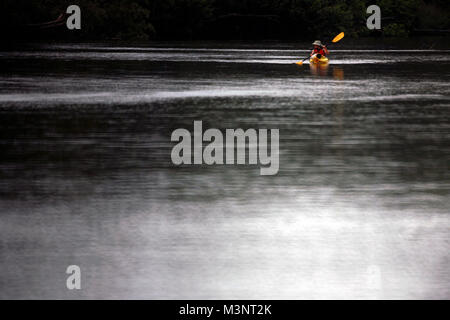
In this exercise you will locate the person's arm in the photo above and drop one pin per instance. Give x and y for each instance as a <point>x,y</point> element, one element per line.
<point>326,50</point>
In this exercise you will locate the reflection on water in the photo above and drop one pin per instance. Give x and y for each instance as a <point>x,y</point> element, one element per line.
<point>318,69</point>
<point>359,208</point>
<point>322,70</point>
<point>338,73</point>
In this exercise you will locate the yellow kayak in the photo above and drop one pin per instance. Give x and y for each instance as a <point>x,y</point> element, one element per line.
<point>321,60</point>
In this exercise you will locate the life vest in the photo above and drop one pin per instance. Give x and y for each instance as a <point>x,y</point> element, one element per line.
<point>320,50</point>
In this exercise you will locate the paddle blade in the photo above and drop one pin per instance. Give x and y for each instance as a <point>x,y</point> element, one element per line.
<point>338,37</point>
<point>299,63</point>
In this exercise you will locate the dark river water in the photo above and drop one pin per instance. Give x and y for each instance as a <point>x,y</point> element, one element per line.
<point>358,209</point>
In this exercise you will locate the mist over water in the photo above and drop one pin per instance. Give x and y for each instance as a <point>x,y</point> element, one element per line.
<point>359,208</point>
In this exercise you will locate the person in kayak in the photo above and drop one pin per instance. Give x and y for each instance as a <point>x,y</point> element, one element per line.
<point>319,49</point>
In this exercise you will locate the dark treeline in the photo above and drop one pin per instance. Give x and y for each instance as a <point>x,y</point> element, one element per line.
<point>221,19</point>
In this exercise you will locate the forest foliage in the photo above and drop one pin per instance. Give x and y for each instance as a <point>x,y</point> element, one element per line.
<point>223,19</point>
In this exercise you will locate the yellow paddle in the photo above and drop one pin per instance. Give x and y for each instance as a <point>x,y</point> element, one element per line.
<point>336,39</point>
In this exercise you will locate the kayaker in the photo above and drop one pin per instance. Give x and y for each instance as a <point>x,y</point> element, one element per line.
<point>319,48</point>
